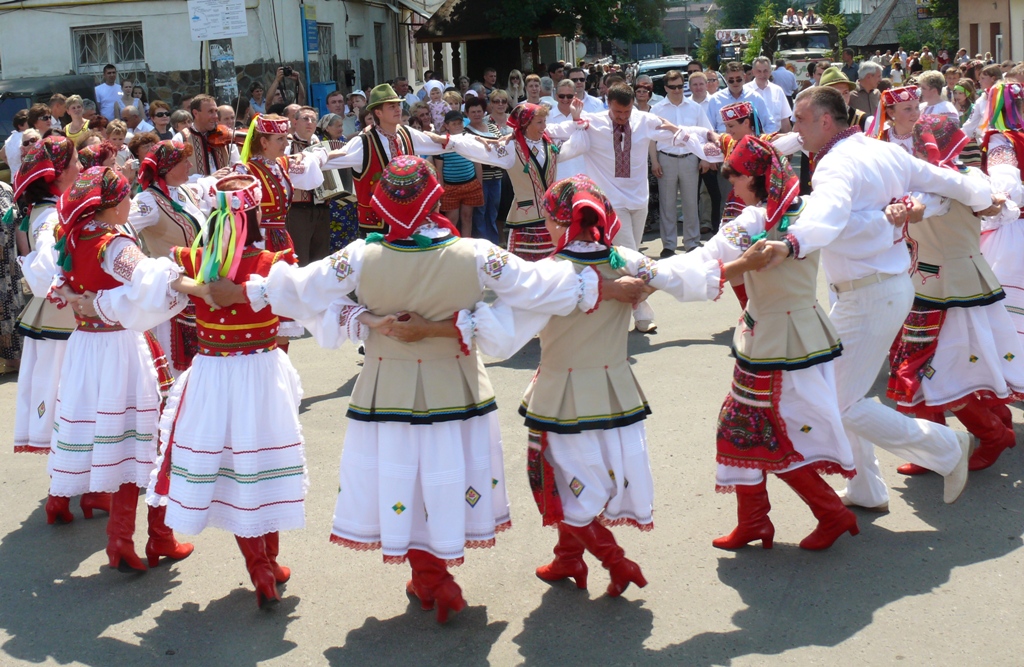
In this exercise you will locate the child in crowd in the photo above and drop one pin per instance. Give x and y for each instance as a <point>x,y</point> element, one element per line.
<point>435,102</point>
<point>461,179</point>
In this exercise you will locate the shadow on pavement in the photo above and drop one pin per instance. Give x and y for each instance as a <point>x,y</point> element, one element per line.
<point>796,598</point>
<point>343,391</point>
<point>414,638</point>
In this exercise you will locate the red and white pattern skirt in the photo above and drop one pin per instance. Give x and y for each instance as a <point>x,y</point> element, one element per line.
<point>530,242</point>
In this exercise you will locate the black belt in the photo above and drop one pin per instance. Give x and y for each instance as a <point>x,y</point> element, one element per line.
<point>673,155</point>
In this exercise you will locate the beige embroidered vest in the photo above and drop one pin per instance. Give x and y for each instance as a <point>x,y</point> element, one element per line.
<point>525,201</point>
<point>431,380</point>
<point>42,319</point>
<point>784,327</point>
<point>951,270</point>
<point>173,229</point>
<point>584,381</point>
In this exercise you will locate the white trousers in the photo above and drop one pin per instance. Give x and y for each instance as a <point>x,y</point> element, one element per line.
<point>680,178</point>
<point>868,320</point>
<point>630,236</point>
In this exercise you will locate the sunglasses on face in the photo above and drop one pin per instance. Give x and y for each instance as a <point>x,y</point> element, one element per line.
<point>739,80</point>
<point>675,87</point>
<point>566,97</point>
<point>574,80</point>
<point>46,117</point>
<point>162,114</point>
<point>514,78</point>
<point>499,101</point>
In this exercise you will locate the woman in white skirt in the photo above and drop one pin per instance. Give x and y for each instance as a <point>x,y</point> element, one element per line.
<point>49,167</point>
<point>105,435</point>
<point>588,461</point>
<point>958,349</point>
<point>782,413</point>
<point>421,473</point>
<point>1002,236</point>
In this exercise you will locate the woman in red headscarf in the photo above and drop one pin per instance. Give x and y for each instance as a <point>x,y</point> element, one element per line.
<point>236,408</point>
<point>531,160</point>
<point>108,407</point>
<point>168,213</point>
<point>958,349</point>
<point>782,414</point>
<point>49,167</point>
<point>588,461</point>
<point>422,429</point>
<point>98,155</point>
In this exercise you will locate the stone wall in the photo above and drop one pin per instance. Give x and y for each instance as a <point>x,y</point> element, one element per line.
<point>172,87</point>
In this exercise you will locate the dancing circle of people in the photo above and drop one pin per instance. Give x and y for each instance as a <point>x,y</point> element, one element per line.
<point>156,339</point>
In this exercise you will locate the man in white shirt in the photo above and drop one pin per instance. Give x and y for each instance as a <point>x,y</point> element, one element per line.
<point>790,18</point>
<point>58,107</point>
<point>12,147</point>
<point>698,83</point>
<point>591,104</point>
<point>109,93</point>
<point>133,119</point>
<point>868,269</point>
<point>784,79</point>
<point>735,92</point>
<point>402,90</point>
<point>773,95</point>
<point>565,93</point>
<point>677,169</point>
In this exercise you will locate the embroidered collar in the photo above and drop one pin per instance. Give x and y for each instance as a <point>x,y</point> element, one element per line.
<point>845,134</point>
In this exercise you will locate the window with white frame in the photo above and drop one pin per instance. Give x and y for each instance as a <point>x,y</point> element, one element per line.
<point>120,45</point>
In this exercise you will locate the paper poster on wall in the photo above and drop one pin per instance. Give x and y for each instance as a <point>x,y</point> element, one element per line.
<point>222,63</point>
<point>217,19</point>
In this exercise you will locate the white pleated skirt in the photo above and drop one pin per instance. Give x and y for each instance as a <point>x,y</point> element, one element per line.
<point>978,351</point>
<point>809,408</point>
<point>108,407</point>
<point>36,404</point>
<point>237,457</point>
<point>439,488</point>
<point>604,475</point>
<point>1003,248</point>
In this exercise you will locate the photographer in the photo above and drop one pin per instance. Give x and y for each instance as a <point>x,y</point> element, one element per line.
<point>286,72</point>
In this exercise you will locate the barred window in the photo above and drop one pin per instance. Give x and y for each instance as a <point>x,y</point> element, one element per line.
<point>120,45</point>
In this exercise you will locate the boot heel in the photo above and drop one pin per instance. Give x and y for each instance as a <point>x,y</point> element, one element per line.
<point>581,581</point>
<point>855,530</point>
<point>87,512</point>
<point>152,559</point>
<point>766,542</point>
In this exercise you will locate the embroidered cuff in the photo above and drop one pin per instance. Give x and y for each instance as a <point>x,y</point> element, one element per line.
<point>794,245</point>
<point>582,124</point>
<point>588,293</point>
<point>256,292</point>
<point>465,325</point>
<point>350,325</point>
<point>291,329</point>
<point>103,310</point>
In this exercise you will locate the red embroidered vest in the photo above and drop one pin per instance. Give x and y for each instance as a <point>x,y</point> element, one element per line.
<point>375,158</point>
<point>87,274</point>
<point>237,329</point>
<point>277,191</point>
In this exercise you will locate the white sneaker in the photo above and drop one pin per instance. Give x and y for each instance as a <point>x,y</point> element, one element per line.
<point>954,483</point>
<point>646,326</point>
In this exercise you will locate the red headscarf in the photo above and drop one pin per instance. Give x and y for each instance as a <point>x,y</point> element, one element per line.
<point>938,140</point>
<point>565,202</point>
<point>163,157</point>
<point>96,189</point>
<point>96,155</point>
<point>47,160</point>
<point>406,195</point>
<point>754,157</point>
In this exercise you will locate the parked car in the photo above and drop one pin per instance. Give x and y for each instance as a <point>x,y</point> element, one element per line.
<point>18,94</point>
<point>656,68</point>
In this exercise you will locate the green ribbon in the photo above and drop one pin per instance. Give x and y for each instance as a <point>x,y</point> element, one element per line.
<point>375,237</point>
<point>420,240</point>
<point>783,227</point>
<point>615,259</point>
<point>63,256</point>
<point>8,216</point>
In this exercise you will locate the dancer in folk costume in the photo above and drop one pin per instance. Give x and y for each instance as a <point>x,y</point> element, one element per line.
<point>531,161</point>
<point>588,460</point>
<point>1002,236</point>
<point>166,213</point>
<point>782,413</point>
<point>421,473</point>
<point>898,111</point>
<point>958,349</point>
<point>264,157</point>
<point>48,168</point>
<point>232,454</point>
<point>105,431</point>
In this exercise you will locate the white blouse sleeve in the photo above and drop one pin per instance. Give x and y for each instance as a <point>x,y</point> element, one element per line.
<point>145,298</point>
<point>575,145</point>
<point>502,155</point>
<point>498,330</point>
<point>40,266</point>
<point>545,286</point>
<point>353,156</point>
<point>304,169</point>
<point>687,277</point>
<point>306,293</point>
<point>338,324</point>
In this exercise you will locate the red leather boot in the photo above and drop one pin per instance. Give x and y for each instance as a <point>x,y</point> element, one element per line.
<point>568,560</point>
<point>599,541</point>
<point>161,540</point>
<point>260,571</point>
<point>281,573</point>
<point>94,501</point>
<point>833,517</point>
<point>1002,410</point>
<point>752,508</point>
<point>121,529</point>
<point>992,434</point>
<point>912,469</point>
<point>58,508</point>
<point>433,585</point>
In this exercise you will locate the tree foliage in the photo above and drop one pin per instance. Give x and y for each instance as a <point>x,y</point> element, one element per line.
<point>827,8</point>
<point>627,20</point>
<point>763,21</point>
<point>707,52</point>
<point>736,13</point>
<point>946,20</point>
<point>914,33</point>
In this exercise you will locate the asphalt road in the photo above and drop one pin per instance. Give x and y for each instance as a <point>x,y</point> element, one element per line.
<point>925,584</point>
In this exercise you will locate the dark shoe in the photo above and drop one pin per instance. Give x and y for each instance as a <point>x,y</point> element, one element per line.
<point>666,253</point>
